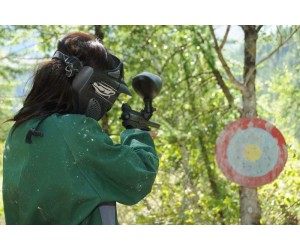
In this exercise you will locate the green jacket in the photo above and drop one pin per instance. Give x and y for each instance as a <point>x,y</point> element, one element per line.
<point>62,177</point>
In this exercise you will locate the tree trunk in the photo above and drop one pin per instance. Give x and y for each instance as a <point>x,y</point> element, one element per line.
<point>216,193</point>
<point>250,211</point>
<point>98,32</point>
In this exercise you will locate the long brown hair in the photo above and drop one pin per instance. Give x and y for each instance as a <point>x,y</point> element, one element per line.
<point>51,90</point>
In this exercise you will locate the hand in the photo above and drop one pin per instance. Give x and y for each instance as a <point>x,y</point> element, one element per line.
<point>153,134</point>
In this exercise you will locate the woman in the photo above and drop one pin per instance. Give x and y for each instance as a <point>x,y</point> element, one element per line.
<point>59,166</point>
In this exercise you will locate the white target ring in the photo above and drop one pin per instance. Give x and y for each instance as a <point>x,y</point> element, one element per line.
<point>251,152</point>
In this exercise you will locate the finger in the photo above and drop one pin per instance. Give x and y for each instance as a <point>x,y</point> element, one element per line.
<point>152,133</point>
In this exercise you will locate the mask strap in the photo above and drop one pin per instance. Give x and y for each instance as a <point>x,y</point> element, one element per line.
<point>74,65</point>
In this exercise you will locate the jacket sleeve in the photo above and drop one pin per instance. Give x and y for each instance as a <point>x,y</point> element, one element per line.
<point>122,172</point>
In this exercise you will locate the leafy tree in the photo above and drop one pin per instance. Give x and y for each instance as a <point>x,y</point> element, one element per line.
<point>249,196</point>
<point>189,182</point>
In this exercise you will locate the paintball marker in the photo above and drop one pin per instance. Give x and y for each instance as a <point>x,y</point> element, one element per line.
<point>147,86</point>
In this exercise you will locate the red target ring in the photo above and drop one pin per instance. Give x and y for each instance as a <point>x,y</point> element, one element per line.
<point>251,152</point>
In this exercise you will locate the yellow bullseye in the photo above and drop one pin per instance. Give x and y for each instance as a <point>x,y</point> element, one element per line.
<point>252,152</point>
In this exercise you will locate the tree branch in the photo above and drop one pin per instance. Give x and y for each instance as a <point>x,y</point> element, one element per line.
<point>177,50</point>
<point>224,64</point>
<point>195,76</point>
<point>258,28</point>
<point>279,33</point>
<point>10,54</point>
<point>279,46</point>
<point>282,43</point>
<point>224,87</point>
<point>225,37</point>
<point>11,97</point>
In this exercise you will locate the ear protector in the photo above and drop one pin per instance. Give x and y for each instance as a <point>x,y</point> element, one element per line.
<point>94,91</point>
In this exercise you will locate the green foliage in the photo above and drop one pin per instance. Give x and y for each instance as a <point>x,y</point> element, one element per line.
<point>185,189</point>
<point>280,98</point>
<point>2,221</point>
<point>10,39</point>
<point>192,111</point>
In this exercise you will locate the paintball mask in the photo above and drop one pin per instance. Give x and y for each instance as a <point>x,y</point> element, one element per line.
<point>94,91</point>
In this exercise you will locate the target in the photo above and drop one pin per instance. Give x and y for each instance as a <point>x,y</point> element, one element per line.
<point>251,152</point>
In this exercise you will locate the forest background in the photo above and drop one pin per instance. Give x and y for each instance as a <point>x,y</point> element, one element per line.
<point>198,99</point>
